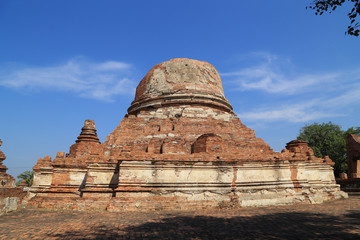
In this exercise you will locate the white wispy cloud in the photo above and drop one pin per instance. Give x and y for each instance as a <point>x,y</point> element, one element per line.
<point>102,80</point>
<point>296,113</point>
<point>351,96</point>
<point>271,74</point>
<point>308,96</point>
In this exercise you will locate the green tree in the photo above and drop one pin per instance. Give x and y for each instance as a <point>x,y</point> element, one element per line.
<point>28,176</point>
<point>328,139</point>
<point>321,6</point>
<point>353,130</point>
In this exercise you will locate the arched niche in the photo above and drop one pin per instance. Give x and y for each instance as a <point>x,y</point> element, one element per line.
<point>209,143</point>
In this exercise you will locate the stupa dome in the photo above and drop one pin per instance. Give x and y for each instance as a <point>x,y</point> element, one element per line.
<point>180,81</point>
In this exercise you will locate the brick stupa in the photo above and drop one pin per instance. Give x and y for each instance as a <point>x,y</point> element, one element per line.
<point>6,180</point>
<point>353,155</point>
<point>180,146</point>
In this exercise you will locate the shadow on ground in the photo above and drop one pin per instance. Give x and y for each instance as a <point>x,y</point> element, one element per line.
<point>293,225</point>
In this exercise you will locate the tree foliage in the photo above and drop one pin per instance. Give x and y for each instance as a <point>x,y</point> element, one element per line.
<point>321,6</point>
<point>353,130</point>
<point>28,176</point>
<point>328,139</point>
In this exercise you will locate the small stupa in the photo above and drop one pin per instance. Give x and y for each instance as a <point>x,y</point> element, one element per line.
<point>6,180</point>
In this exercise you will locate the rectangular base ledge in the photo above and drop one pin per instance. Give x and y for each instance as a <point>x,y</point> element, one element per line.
<point>180,201</point>
<point>147,185</point>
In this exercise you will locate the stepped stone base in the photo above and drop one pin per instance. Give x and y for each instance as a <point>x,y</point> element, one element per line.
<point>146,185</point>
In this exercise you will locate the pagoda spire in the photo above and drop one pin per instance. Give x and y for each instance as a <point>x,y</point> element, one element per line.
<point>88,132</point>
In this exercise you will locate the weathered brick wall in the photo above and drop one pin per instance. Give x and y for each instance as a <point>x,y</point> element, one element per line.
<point>353,155</point>
<point>11,199</point>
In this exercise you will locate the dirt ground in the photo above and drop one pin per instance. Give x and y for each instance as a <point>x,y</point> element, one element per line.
<point>331,220</point>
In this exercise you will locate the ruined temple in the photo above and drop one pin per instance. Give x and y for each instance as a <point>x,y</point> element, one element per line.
<point>11,197</point>
<point>353,155</point>
<point>6,180</point>
<point>180,146</point>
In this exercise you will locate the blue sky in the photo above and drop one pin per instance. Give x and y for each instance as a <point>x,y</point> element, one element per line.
<point>62,62</point>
